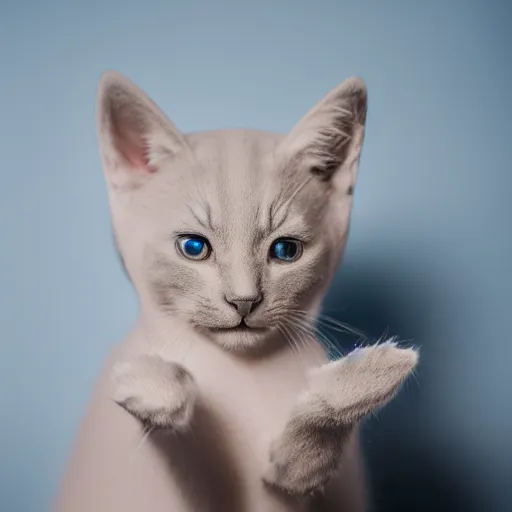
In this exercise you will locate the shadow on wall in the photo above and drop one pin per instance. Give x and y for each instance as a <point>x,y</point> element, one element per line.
<point>404,469</point>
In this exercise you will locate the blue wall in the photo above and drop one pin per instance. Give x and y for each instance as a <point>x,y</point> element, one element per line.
<point>429,256</point>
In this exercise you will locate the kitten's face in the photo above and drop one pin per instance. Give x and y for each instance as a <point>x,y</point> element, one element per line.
<point>238,232</point>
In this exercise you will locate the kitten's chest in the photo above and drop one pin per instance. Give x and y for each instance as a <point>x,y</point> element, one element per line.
<point>252,401</point>
<point>242,409</point>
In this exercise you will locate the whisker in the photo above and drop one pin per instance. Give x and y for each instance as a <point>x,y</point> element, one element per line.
<point>291,339</point>
<point>336,322</point>
<point>310,335</point>
<point>304,332</point>
<point>313,332</point>
<point>294,329</point>
<point>337,325</point>
<point>330,323</point>
<point>291,344</point>
<point>328,344</point>
<point>279,327</point>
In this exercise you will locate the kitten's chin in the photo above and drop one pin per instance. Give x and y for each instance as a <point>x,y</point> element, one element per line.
<point>244,341</point>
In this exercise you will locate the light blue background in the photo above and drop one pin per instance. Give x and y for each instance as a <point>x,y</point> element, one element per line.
<point>430,251</point>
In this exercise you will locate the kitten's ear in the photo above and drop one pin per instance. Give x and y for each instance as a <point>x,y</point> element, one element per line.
<point>135,136</point>
<point>329,137</point>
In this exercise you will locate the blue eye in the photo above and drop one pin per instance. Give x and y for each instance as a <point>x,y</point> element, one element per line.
<point>194,247</point>
<point>286,250</point>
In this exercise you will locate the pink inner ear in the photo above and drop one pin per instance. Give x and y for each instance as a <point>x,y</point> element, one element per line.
<point>129,141</point>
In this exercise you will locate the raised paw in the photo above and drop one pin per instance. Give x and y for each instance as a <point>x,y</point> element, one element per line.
<point>340,394</point>
<point>159,393</point>
<point>363,381</point>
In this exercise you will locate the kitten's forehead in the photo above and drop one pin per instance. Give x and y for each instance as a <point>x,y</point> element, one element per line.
<point>238,173</point>
<point>239,156</point>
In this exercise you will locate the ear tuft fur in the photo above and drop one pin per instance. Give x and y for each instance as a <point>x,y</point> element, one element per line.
<point>330,135</point>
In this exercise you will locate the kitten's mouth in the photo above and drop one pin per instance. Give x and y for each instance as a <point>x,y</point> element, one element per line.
<point>241,338</point>
<point>241,327</point>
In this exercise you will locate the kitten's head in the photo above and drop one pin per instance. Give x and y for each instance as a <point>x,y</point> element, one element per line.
<point>237,232</point>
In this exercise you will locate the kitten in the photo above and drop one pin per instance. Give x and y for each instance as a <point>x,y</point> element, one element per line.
<point>231,239</point>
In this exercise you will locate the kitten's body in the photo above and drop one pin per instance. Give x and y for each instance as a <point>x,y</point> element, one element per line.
<point>219,466</point>
<point>258,415</point>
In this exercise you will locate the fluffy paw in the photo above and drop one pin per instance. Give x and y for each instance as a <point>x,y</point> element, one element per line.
<point>157,392</point>
<point>308,452</point>
<point>363,381</point>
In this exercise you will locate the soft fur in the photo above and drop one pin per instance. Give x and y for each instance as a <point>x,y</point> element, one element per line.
<point>340,395</point>
<point>159,393</point>
<point>289,417</point>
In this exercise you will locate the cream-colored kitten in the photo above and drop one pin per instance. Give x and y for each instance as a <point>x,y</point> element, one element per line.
<point>231,239</point>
